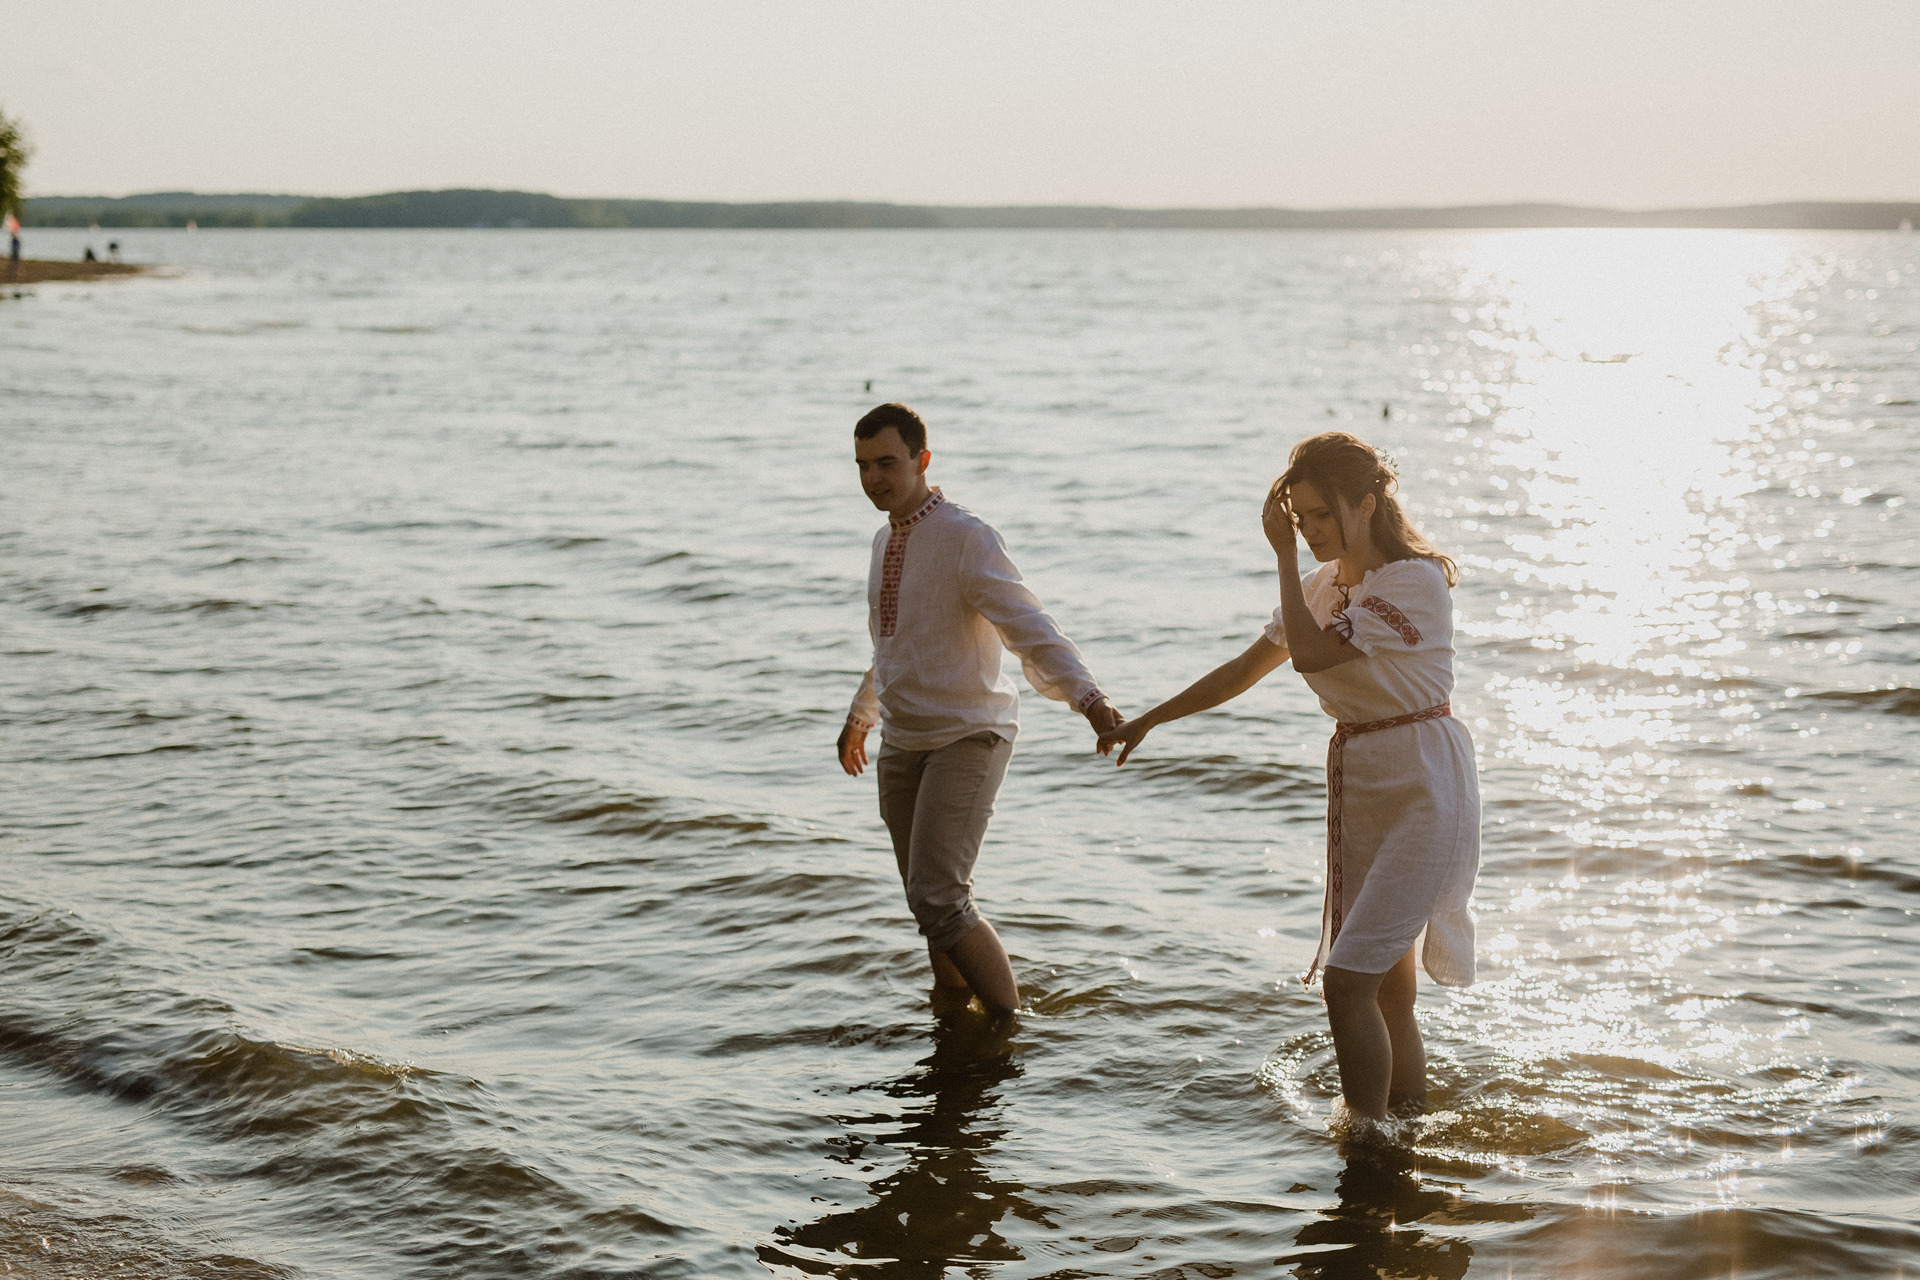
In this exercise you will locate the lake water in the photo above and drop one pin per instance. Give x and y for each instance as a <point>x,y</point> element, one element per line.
<point>424,855</point>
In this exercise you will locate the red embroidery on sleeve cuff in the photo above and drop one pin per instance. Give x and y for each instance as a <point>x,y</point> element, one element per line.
<point>1087,699</point>
<point>1393,618</point>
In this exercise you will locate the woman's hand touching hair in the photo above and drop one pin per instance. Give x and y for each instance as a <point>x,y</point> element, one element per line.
<point>1276,519</point>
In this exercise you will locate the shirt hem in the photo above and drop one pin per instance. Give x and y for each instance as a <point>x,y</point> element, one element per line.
<point>937,739</point>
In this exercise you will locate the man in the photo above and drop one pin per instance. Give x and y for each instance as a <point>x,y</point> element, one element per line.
<point>942,601</point>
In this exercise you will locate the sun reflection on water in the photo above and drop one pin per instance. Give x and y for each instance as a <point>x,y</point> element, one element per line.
<point>1628,427</point>
<point>1617,406</point>
<point>1626,394</point>
<point>1632,393</point>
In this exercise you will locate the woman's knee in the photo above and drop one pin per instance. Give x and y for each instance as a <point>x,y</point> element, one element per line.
<point>1344,986</point>
<point>1395,999</point>
<point>1398,987</point>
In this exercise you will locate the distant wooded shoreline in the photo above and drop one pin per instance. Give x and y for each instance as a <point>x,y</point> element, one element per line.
<point>515,209</point>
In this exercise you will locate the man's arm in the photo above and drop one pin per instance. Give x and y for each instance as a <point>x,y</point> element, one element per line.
<point>852,744</point>
<point>994,588</point>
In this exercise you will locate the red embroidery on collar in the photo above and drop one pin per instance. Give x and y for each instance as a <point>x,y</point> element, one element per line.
<point>926,509</point>
<point>896,559</point>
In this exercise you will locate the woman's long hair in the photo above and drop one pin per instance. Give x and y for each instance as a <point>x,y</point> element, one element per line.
<point>1345,468</point>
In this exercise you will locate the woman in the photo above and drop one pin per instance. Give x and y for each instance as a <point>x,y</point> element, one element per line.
<point>1371,630</point>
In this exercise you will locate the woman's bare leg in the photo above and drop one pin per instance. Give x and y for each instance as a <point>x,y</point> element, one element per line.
<point>1361,1041</point>
<point>1407,1087</point>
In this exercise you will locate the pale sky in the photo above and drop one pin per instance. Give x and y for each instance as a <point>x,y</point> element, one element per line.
<point>1307,103</point>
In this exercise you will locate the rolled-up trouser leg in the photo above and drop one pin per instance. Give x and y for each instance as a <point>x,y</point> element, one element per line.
<point>936,805</point>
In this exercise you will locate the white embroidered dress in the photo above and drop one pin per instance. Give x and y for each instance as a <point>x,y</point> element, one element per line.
<point>1403,805</point>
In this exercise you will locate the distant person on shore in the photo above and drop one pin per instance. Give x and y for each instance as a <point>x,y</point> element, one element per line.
<point>1371,630</point>
<point>943,599</point>
<point>89,256</point>
<point>113,250</point>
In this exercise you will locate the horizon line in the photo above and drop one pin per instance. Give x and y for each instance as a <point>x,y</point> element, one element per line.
<point>1007,205</point>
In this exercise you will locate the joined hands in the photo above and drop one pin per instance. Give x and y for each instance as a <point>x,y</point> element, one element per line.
<point>1103,716</point>
<point>1126,735</point>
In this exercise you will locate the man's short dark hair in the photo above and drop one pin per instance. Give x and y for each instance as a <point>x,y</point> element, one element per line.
<point>913,432</point>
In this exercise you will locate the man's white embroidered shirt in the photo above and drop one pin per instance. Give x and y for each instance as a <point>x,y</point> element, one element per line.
<point>943,602</point>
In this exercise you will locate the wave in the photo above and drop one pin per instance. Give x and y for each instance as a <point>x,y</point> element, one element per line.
<point>1631,1237</point>
<point>541,446</point>
<point>596,808</point>
<point>163,749</point>
<point>407,1153</point>
<point>838,1036</point>
<point>555,542</point>
<point>391,526</point>
<point>1830,869</point>
<point>49,598</point>
<point>1234,776</point>
<point>145,1043</point>
<point>68,1239</point>
<point>208,606</point>
<point>1902,700</point>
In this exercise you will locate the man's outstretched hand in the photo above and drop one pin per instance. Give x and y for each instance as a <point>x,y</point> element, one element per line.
<point>1103,715</point>
<point>852,748</point>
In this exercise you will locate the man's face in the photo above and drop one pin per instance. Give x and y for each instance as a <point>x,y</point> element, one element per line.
<point>888,472</point>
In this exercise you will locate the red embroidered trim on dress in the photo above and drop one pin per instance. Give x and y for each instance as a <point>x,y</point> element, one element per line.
<point>1393,618</point>
<point>1333,909</point>
<point>895,559</point>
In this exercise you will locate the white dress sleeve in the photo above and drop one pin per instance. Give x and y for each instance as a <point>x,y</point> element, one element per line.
<point>1400,607</point>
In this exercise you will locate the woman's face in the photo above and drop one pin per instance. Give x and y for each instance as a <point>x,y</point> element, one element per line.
<point>1322,523</point>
